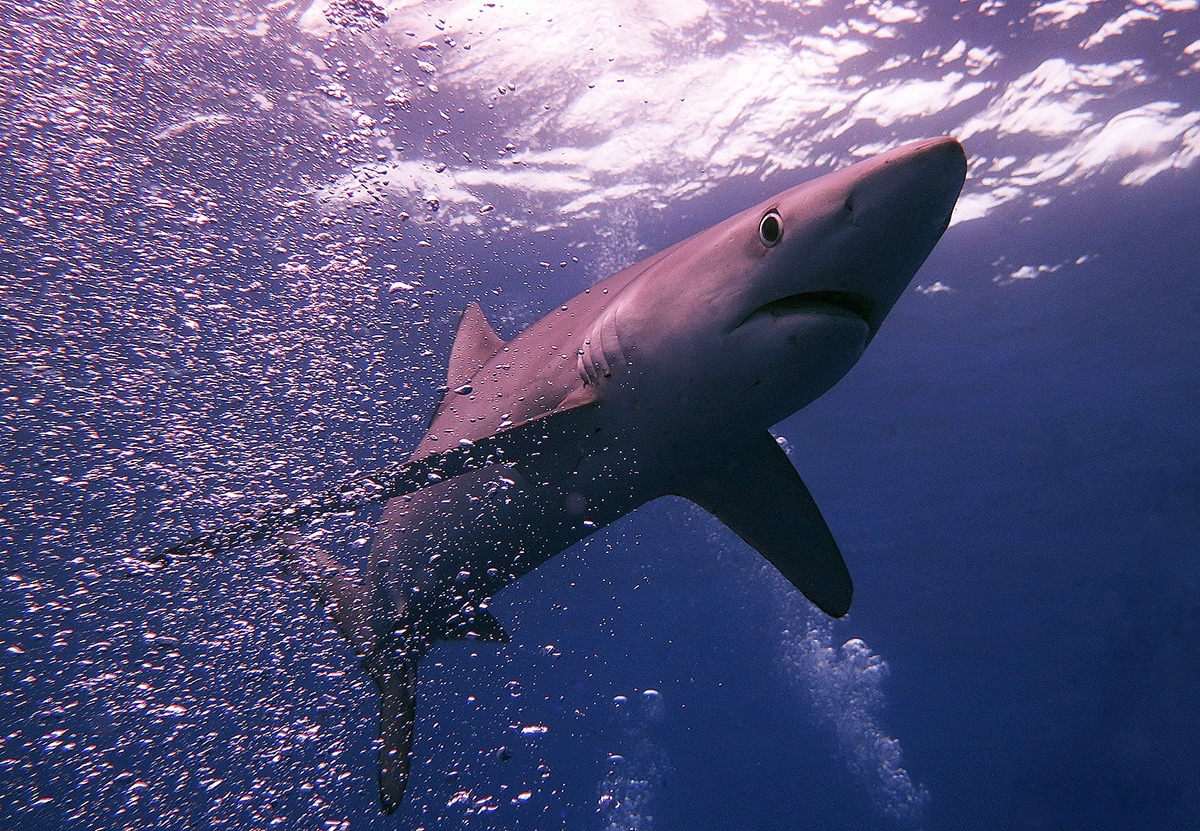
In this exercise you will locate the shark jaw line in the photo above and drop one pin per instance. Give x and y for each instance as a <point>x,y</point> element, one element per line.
<point>820,302</point>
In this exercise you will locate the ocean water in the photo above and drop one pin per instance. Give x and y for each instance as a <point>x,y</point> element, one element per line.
<point>235,240</point>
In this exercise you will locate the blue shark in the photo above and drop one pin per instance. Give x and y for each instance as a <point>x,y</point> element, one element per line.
<point>662,379</point>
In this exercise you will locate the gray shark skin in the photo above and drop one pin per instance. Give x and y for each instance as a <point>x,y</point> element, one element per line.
<point>662,379</point>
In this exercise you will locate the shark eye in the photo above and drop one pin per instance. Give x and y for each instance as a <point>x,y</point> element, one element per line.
<point>770,228</point>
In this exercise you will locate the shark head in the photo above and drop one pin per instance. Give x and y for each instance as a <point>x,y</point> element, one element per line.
<point>759,315</point>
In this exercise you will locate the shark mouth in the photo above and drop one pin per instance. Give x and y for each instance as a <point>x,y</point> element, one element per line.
<point>828,302</point>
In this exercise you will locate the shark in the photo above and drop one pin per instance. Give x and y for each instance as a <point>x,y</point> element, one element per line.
<point>663,379</point>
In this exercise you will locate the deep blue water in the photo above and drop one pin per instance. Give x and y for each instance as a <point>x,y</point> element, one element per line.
<point>199,320</point>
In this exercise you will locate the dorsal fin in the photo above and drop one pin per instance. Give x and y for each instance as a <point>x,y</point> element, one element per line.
<point>475,344</point>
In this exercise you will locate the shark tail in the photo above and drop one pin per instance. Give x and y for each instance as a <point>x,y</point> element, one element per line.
<point>396,676</point>
<point>389,659</point>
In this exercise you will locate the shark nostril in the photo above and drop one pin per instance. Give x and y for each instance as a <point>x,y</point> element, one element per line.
<point>850,203</point>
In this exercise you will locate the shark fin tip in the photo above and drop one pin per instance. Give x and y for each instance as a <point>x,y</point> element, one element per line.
<point>835,607</point>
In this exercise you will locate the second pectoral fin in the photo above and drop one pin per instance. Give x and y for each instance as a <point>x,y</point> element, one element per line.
<point>759,495</point>
<point>475,625</point>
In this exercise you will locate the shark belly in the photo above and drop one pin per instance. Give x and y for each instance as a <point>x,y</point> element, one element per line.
<point>441,553</point>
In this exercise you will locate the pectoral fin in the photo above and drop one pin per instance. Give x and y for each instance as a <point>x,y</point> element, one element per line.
<point>759,495</point>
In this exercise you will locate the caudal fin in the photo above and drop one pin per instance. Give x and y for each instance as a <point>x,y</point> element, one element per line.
<point>396,676</point>
<point>391,663</point>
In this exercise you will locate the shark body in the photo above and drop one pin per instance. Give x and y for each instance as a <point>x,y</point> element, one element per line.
<point>662,379</point>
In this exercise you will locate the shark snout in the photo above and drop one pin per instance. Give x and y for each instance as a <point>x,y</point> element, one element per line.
<point>851,241</point>
<point>897,205</point>
<point>914,185</point>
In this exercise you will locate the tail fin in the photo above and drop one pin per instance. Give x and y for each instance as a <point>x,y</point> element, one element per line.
<point>395,673</point>
<point>389,658</point>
